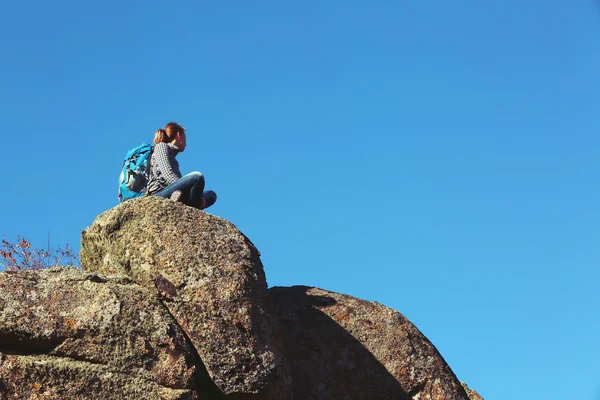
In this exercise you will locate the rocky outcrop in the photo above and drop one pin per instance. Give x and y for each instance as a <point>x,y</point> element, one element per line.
<point>209,276</point>
<point>172,303</point>
<point>341,347</point>
<point>65,333</point>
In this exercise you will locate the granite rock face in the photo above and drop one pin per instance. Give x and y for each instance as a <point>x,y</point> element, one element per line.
<point>211,279</point>
<point>341,347</point>
<point>50,378</point>
<point>61,330</point>
<point>172,303</point>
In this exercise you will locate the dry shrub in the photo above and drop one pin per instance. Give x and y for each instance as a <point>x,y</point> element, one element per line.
<point>19,256</point>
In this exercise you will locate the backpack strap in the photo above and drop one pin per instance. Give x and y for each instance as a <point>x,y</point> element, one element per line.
<point>145,191</point>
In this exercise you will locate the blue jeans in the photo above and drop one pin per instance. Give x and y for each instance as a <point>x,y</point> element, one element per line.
<point>192,189</point>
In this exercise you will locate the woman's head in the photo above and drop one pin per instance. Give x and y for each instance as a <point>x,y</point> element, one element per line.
<point>172,133</point>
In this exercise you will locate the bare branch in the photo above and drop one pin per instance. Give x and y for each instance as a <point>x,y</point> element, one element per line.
<point>20,256</point>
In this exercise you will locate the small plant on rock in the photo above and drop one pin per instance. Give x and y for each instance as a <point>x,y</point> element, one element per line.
<point>20,256</point>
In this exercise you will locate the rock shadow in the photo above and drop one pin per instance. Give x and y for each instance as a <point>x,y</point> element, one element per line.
<point>326,361</point>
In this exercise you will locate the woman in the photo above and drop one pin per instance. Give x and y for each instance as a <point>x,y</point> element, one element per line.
<point>166,180</point>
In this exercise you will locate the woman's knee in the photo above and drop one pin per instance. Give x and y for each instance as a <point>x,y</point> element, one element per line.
<point>195,177</point>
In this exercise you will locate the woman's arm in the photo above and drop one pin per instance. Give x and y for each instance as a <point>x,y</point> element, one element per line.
<point>164,163</point>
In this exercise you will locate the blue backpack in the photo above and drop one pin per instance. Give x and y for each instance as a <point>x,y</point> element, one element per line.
<point>135,172</point>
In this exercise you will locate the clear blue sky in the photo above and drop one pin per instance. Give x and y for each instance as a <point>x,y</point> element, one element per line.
<point>438,157</point>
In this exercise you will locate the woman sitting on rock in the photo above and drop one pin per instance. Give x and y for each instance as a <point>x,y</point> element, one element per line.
<point>165,179</point>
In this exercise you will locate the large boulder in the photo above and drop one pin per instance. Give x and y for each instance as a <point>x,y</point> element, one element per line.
<point>173,304</point>
<point>211,279</point>
<point>340,348</point>
<point>66,334</point>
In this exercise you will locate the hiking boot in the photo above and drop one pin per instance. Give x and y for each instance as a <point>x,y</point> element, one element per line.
<point>176,195</point>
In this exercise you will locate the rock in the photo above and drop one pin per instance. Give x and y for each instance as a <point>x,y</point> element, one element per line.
<point>473,395</point>
<point>66,334</point>
<point>51,378</point>
<point>173,304</point>
<point>341,347</point>
<point>209,276</point>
